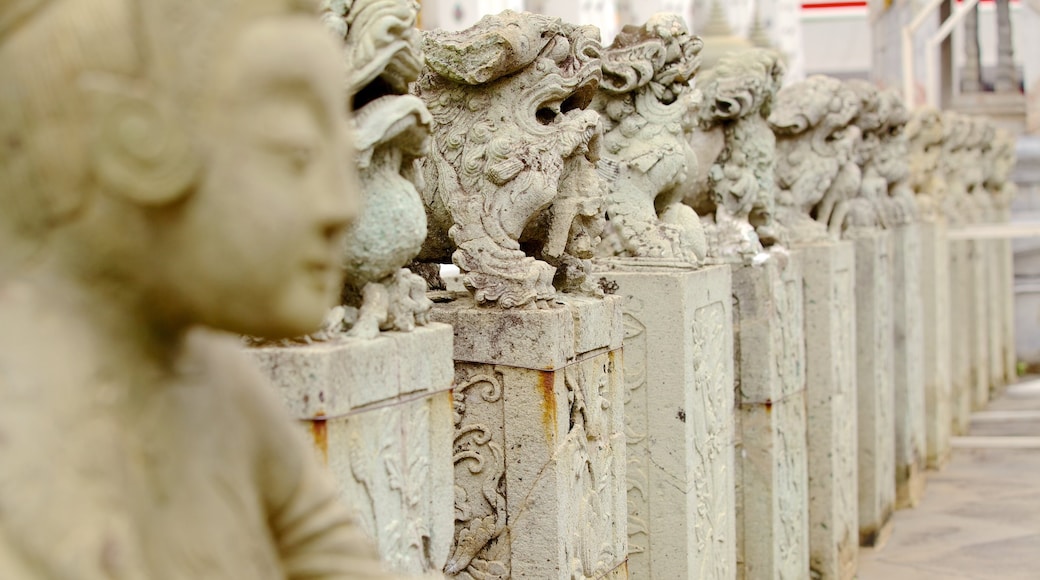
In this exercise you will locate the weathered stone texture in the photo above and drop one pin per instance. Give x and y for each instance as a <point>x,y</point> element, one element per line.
<point>772,478</point>
<point>936,326</point>
<point>539,440</point>
<point>678,418</point>
<point>908,364</point>
<point>874,372</point>
<point>830,360</point>
<point>378,413</point>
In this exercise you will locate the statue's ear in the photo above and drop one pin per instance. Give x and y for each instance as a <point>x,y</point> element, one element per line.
<point>139,149</point>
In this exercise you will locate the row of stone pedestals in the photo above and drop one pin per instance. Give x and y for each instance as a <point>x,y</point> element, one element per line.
<point>755,420</point>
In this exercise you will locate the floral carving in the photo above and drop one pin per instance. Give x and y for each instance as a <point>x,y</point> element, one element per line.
<point>481,549</point>
<point>645,98</point>
<point>736,149</point>
<point>513,195</point>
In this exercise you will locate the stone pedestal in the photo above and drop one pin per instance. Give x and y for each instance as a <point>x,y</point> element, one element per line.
<point>1007,259</point>
<point>874,372</point>
<point>772,478</point>
<point>678,417</point>
<point>978,256</point>
<point>830,362</point>
<point>935,292</point>
<point>995,315</point>
<point>379,413</point>
<point>539,439</point>
<point>908,365</point>
<point>961,292</point>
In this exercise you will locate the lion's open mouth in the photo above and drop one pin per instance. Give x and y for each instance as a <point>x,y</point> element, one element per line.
<point>577,100</point>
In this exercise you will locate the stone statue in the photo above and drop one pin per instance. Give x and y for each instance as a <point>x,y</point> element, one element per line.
<point>512,192</point>
<point>924,132</point>
<point>956,134</point>
<point>999,164</point>
<point>737,149</point>
<point>391,127</point>
<point>977,206</point>
<point>891,161</point>
<point>170,171</point>
<point>816,170</point>
<point>867,207</point>
<point>645,100</point>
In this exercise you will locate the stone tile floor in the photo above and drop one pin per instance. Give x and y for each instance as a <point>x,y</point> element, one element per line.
<point>980,516</point>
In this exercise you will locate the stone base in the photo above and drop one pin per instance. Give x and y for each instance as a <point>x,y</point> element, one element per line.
<point>874,372</point>
<point>908,359</point>
<point>935,324</point>
<point>830,361</point>
<point>380,417</point>
<point>995,315</point>
<point>979,323</point>
<point>961,292</point>
<point>539,439</point>
<point>771,446</point>
<point>678,417</point>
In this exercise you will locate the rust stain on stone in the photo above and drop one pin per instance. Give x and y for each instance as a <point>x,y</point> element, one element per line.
<point>547,383</point>
<point>320,435</point>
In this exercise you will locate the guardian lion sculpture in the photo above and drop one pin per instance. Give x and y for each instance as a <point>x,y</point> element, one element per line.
<point>512,193</point>
<point>645,100</point>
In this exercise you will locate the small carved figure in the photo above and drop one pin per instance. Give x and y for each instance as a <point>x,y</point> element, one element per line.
<point>867,206</point>
<point>955,150</point>
<point>736,150</point>
<point>816,172</point>
<point>171,171</point>
<point>891,161</point>
<point>924,132</point>
<point>382,56</point>
<point>645,100</point>
<point>512,192</point>
<point>998,181</point>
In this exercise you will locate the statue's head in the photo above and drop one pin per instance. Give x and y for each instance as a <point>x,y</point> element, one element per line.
<point>191,155</point>
<point>740,85</point>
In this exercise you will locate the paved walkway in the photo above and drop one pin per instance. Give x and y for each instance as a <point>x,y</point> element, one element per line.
<point>980,517</point>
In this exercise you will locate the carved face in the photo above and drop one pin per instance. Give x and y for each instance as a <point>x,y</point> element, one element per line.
<point>256,249</point>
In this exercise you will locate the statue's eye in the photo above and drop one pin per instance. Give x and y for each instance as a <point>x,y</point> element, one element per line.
<point>546,115</point>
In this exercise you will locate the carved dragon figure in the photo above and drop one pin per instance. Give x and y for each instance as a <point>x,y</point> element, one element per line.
<point>645,98</point>
<point>867,206</point>
<point>737,150</point>
<point>512,193</point>
<point>381,58</point>
<point>924,133</point>
<point>816,172</point>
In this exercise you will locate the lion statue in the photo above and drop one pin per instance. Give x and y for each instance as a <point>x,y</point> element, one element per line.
<point>513,196</point>
<point>924,133</point>
<point>736,150</point>
<point>816,172</point>
<point>645,98</point>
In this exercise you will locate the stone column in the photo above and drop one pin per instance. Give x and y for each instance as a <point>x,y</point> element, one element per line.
<point>978,256</point>
<point>1007,76</point>
<point>874,372</point>
<point>936,326</point>
<point>971,72</point>
<point>961,292</point>
<point>771,445</point>
<point>539,439</point>
<point>908,364</point>
<point>379,413</point>
<point>678,417</point>
<point>829,272</point>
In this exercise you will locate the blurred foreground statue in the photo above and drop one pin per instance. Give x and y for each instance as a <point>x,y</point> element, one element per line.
<point>169,170</point>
